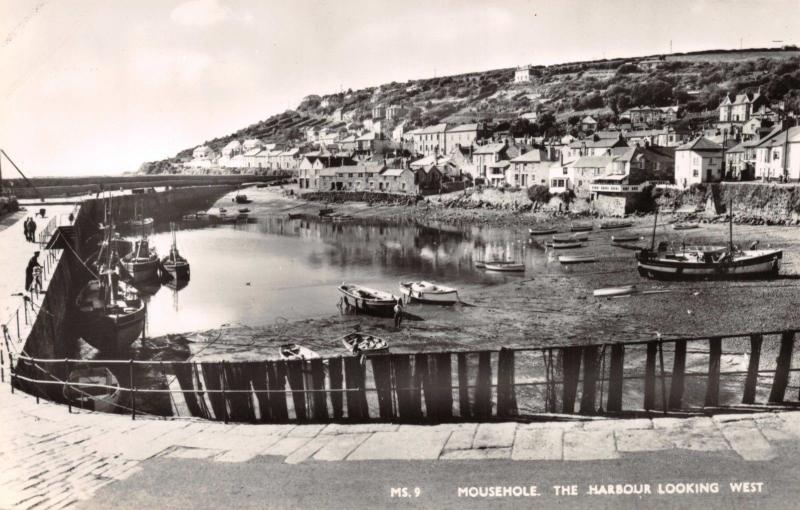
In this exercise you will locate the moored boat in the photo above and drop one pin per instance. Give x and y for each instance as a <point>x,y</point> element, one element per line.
<point>576,259</point>
<point>142,262</point>
<point>295,351</point>
<point>624,238</point>
<point>610,225</point>
<point>481,264</point>
<point>111,314</point>
<point>360,343</point>
<point>581,227</point>
<point>93,388</point>
<point>506,266</point>
<point>325,211</point>
<point>685,226</point>
<point>622,290</point>
<point>564,245</point>
<point>571,238</point>
<point>427,292</point>
<point>541,231</point>
<point>174,265</point>
<point>241,199</point>
<point>368,299</point>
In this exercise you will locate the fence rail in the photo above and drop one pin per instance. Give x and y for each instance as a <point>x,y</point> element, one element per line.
<point>656,376</point>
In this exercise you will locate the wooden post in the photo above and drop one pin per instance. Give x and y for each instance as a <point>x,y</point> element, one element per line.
<point>650,376</point>
<point>69,400</point>
<point>749,395</point>
<point>678,370</point>
<point>783,365</point>
<point>615,372</point>
<point>712,386</point>
<point>588,395</point>
<point>571,367</point>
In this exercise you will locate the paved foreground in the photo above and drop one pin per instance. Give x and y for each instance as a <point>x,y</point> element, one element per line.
<point>50,458</point>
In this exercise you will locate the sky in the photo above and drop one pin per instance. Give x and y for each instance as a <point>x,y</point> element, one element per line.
<point>92,87</point>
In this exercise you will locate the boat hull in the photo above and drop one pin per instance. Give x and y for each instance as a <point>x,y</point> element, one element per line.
<point>581,228</point>
<point>765,265</point>
<point>374,304</point>
<point>142,270</point>
<point>614,226</point>
<point>506,268</point>
<point>541,232</point>
<point>111,333</point>
<point>566,260</point>
<point>437,297</point>
<point>178,271</point>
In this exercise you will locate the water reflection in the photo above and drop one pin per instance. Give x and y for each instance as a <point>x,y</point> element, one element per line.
<point>255,273</point>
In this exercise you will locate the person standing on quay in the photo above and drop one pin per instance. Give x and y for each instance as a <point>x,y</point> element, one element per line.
<point>32,263</point>
<point>26,227</point>
<point>33,230</point>
<point>398,314</point>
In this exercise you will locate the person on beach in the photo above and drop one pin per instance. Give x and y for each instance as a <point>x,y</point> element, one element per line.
<point>398,314</point>
<point>32,263</point>
<point>33,231</point>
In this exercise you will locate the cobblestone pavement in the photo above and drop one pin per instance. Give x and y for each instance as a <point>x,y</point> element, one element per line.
<point>50,458</point>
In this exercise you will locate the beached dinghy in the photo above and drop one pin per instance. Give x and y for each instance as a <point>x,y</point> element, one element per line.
<point>295,351</point>
<point>625,238</point>
<point>564,246</point>
<point>360,343</point>
<point>368,299</point>
<point>508,267</point>
<point>581,227</point>
<point>571,238</point>
<point>427,292</point>
<point>610,225</point>
<point>685,226</point>
<point>541,231</point>
<point>93,388</point>
<point>623,290</point>
<point>576,259</point>
<point>481,264</point>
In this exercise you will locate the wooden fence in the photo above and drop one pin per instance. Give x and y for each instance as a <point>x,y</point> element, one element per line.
<point>750,371</point>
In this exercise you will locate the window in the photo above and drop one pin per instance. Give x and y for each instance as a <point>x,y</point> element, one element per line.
<point>403,186</point>
<point>695,173</point>
<point>565,171</point>
<point>775,155</point>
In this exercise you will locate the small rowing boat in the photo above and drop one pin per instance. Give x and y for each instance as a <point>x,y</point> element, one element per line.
<point>610,225</point>
<point>564,246</point>
<point>295,351</point>
<point>615,291</point>
<point>685,226</point>
<point>570,238</point>
<point>541,231</point>
<point>481,264</point>
<point>624,238</point>
<point>427,292</point>
<point>360,343</point>
<point>93,388</point>
<point>581,227</point>
<point>368,299</point>
<point>576,259</point>
<point>509,267</point>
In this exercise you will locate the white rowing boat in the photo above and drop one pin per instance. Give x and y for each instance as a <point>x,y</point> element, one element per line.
<point>508,267</point>
<point>615,291</point>
<point>427,292</point>
<point>576,259</point>
<point>295,351</point>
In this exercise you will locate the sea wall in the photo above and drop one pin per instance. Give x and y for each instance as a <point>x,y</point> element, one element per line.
<point>756,203</point>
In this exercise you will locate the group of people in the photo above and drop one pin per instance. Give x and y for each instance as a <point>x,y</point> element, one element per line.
<point>29,226</point>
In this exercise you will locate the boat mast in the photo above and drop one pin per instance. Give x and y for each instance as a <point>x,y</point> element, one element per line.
<point>730,222</point>
<point>655,224</point>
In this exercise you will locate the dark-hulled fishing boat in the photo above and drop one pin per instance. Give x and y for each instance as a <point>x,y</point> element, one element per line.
<point>174,265</point>
<point>692,263</point>
<point>110,313</point>
<point>142,262</point>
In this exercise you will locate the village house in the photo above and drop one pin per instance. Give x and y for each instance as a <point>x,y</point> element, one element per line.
<point>289,159</point>
<point>309,170</point>
<point>464,135</point>
<point>527,169</point>
<point>337,115</point>
<point>778,155</point>
<point>378,112</point>
<point>593,146</point>
<point>585,169</point>
<point>395,112</point>
<point>698,161</point>
<point>370,143</point>
<point>522,74</point>
<point>588,124</point>
<point>561,178</point>
<point>348,144</point>
<point>398,132</point>
<point>740,161</point>
<point>530,116</point>
<point>736,110</point>
<point>431,140</point>
<point>485,159</point>
<point>429,179</point>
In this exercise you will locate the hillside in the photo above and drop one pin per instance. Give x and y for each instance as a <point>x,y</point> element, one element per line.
<point>562,94</point>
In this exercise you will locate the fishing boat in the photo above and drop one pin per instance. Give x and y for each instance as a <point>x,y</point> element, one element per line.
<point>110,313</point>
<point>707,262</point>
<point>481,264</point>
<point>295,351</point>
<point>576,259</point>
<point>611,225</point>
<point>360,343</point>
<point>368,299</point>
<point>139,220</point>
<point>581,227</point>
<point>93,388</point>
<point>142,262</point>
<point>624,238</point>
<point>244,210</point>
<point>570,238</point>
<point>565,245</point>
<point>427,292</point>
<point>622,290</point>
<point>506,266</point>
<point>174,265</point>
<point>685,226</point>
<point>541,231</point>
